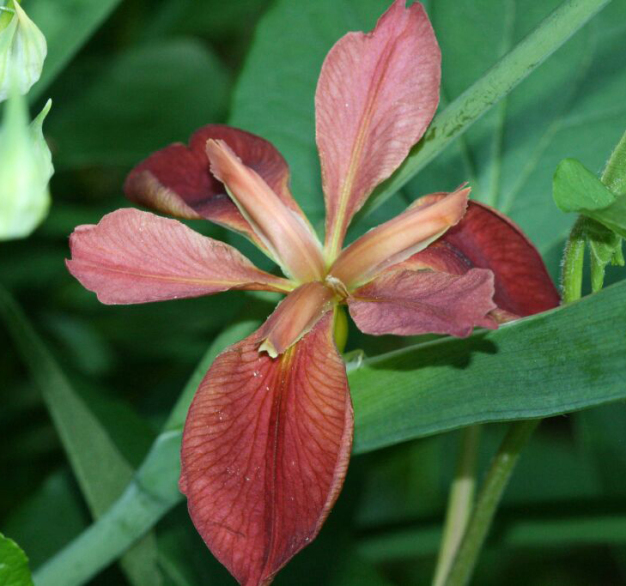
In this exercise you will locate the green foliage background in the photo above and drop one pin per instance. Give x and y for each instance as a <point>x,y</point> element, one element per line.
<point>85,389</point>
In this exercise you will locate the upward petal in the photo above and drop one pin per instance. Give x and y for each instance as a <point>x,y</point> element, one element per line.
<point>265,451</point>
<point>136,257</point>
<point>177,181</point>
<point>376,94</point>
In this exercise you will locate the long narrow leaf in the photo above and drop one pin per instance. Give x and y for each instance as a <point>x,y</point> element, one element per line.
<point>102,472</point>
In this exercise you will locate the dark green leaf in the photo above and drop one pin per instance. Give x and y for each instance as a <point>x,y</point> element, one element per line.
<point>145,99</point>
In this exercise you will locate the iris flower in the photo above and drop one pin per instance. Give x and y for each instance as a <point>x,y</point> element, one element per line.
<point>268,436</point>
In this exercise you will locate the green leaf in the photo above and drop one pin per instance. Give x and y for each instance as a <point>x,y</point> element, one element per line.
<point>569,359</point>
<point>145,99</point>
<point>101,471</point>
<point>67,25</point>
<point>13,564</point>
<point>575,188</point>
<point>605,247</point>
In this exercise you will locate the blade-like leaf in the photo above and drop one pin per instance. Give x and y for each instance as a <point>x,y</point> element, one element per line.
<point>102,472</point>
<point>565,360</point>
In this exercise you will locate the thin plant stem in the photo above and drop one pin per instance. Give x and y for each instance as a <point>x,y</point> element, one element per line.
<point>460,502</point>
<point>573,262</point>
<point>488,499</point>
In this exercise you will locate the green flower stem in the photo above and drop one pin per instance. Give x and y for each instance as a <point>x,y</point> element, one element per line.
<point>497,479</point>
<point>573,261</point>
<point>516,439</point>
<point>503,77</point>
<point>460,502</point>
<point>614,174</point>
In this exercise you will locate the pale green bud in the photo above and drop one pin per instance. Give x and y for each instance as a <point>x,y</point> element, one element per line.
<point>22,51</point>
<point>25,170</point>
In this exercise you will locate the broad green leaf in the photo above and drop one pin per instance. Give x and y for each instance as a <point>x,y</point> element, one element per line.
<point>565,360</point>
<point>67,25</point>
<point>145,99</point>
<point>101,470</point>
<point>13,564</point>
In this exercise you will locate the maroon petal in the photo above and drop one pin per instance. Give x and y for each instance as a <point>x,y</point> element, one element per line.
<point>265,451</point>
<point>136,257</point>
<point>177,181</point>
<point>409,302</point>
<point>485,238</point>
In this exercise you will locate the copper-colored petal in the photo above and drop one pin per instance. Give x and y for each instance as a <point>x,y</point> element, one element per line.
<point>485,238</point>
<point>177,181</point>
<point>376,95</point>
<point>408,302</point>
<point>286,234</point>
<point>265,451</point>
<point>296,315</point>
<point>398,239</point>
<point>135,257</point>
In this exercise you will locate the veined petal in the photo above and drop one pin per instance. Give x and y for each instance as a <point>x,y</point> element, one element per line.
<point>486,239</point>
<point>288,237</point>
<point>136,257</point>
<point>296,315</point>
<point>398,239</point>
<point>407,302</point>
<point>177,181</point>
<point>376,95</point>
<point>265,451</point>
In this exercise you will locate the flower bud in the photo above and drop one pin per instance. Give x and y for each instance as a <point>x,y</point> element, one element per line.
<point>25,170</point>
<point>22,50</point>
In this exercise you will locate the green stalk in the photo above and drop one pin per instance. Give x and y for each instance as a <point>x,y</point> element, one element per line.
<point>573,261</point>
<point>490,495</point>
<point>503,77</point>
<point>460,502</point>
<point>614,174</point>
<point>501,469</point>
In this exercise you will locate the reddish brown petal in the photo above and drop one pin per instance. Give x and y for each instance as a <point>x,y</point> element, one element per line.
<point>296,315</point>
<point>265,451</point>
<point>406,303</point>
<point>398,239</point>
<point>176,180</point>
<point>376,94</point>
<point>136,257</point>
<point>486,239</point>
<point>286,234</point>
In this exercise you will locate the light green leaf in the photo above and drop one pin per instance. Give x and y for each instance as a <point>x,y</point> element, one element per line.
<point>561,361</point>
<point>145,99</point>
<point>67,25</point>
<point>575,188</point>
<point>13,564</point>
<point>101,471</point>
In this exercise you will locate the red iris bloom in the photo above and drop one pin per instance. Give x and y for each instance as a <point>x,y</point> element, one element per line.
<point>268,437</point>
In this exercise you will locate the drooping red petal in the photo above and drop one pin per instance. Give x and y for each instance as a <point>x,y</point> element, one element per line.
<point>408,302</point>
<point>376,95</point>
<point>135,257</point>
<point>294,317</point>
<point>485,238</point>
<point>399,238</point>
<point>176,180</point>
<point>265,451</point>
